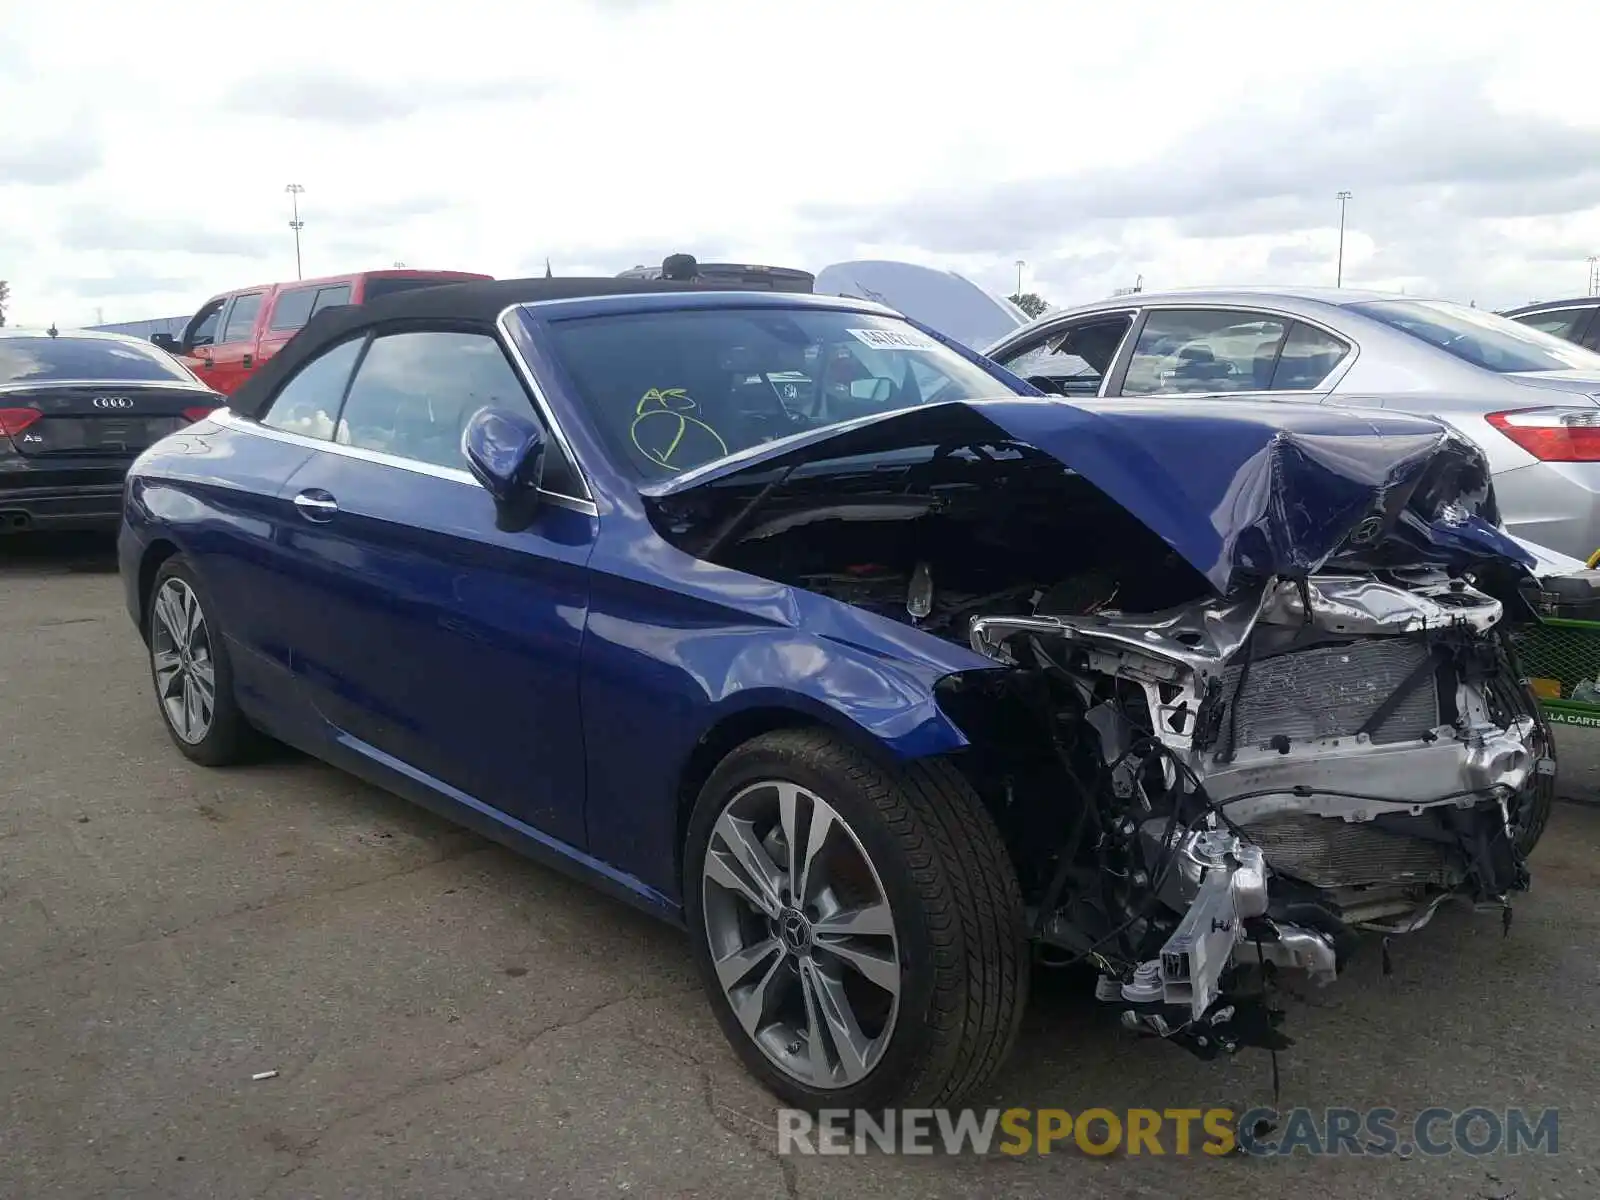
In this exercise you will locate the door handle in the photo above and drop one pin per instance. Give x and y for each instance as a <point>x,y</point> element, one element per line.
<point>249,360</point>
<point>316,505</point>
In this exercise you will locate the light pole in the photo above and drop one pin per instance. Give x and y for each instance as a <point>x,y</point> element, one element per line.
<point>1338,278</point>
<point>295,223</point>
<point>1020,265</point>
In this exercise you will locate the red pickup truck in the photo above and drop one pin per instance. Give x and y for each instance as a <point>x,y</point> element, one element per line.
<point>234,333</point>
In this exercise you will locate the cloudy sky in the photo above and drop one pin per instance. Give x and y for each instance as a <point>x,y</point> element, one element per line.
<point>147,148</point>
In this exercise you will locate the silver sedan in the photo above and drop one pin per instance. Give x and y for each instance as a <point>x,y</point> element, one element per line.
<point>1532,401</point>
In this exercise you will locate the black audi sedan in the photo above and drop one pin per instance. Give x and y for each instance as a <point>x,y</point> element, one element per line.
<point>75,410</point>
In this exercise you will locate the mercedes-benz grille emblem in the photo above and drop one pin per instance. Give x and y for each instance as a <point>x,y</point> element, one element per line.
<point>112,402</point>
<point>1367,531</point>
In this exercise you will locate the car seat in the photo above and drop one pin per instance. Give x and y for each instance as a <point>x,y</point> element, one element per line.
<point>1264,364</point>
<point>1198,364</point>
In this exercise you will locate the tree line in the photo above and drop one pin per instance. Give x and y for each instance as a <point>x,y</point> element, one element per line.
<point>1030,302</point>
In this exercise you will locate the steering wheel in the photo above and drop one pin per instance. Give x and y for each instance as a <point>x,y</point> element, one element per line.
<point>765,411</point>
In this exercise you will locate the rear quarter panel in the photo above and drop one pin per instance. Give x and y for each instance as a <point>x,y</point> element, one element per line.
<point>212,494</point>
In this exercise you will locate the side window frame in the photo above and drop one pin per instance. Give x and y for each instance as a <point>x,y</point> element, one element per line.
<point>227,317</point>
<point>277,307</point>
<point>1589,339</point>
<point>1058,329</point>
<point>1322,386</point>
<point>1153,312</point>
<point>193,327</point>
<point>1585,326</point>
<point>1579,323</point>
<point>365,338</point>
<point>554,442</point>
<point>1289,320</point>
<point>318,306</point>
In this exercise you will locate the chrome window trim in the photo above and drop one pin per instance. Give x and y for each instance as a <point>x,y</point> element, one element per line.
<point>1573,306</point>
<point>1326,384</point>
<point>188,385</point>
<point>231,420</point>
<point>541,402</point>
<point>1144,310</point>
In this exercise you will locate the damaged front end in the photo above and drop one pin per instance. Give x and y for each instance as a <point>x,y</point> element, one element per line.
<point>1247,688</point>
<point>1273,774</point>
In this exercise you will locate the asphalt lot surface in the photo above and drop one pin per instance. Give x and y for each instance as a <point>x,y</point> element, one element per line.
<point>447,1020</point>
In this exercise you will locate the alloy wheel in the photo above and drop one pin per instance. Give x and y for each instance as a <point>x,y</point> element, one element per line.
<point>181,658</point>
<point>801,933</point>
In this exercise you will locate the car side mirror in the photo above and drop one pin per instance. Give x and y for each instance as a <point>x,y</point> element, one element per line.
<point>505,453</point>
<point>165,341</point>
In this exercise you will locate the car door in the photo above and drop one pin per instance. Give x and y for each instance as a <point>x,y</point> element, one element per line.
<point>199,336</point>
<point>233,358</point>
<point>240,546</point>
<point>1072,356</point>
<point>430,641</point>
<point>1204,351</point>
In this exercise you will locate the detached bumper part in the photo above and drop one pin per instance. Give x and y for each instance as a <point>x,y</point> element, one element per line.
<point>1180,994</point>
<point>1194,958</point>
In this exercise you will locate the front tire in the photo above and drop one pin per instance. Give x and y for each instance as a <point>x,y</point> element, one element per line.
<point>191,671</point>
<point>858,928</point>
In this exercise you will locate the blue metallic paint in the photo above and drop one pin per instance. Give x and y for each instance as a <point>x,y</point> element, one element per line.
<point>549,687</point>
<point>423,630</point>
<point>225,494</point>
<point>676,646</point>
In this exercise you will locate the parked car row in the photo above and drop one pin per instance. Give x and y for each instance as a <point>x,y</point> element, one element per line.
<point>75,410</point>
<point>231,335</point>
<point>885,667</point>
<point>1530,400</point>
<point>1574,320</point>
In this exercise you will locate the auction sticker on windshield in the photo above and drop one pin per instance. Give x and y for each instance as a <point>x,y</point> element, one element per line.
<point>893,339</point>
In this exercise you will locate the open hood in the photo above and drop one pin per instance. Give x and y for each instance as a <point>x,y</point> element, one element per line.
<point>1239,490</point>
<point>942,300</point>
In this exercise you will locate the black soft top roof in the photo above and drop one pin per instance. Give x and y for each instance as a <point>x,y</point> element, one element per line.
<point>471,304</point>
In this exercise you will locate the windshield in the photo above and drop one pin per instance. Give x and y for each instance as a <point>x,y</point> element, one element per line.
<point>671,391</point>
<point>1482,338</point>
<point>26,360</point>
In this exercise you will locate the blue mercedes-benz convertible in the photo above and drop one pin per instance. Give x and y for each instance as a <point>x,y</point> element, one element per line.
<point>788,619</point>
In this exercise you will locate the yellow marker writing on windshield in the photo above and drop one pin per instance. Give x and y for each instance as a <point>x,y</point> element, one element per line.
<point>675,405</point>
